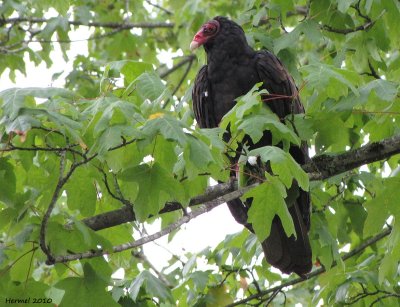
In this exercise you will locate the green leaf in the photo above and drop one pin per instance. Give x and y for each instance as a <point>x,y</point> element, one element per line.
<point>81,192</point>
<point>90,289</point>
<point>385,90</point>
<point>169,127</point>
<point>332,80</point>
<point>199,153</point>
<point>268,201</point>
<point>388,270</point>
<point>15,98</point>
<point>24,235</point>
<point>325,244</point>
<point>8,182</point>
<point>123,158</point>
<point>25,290</point>
<point>331,133</point>
<point>283,165</point>
<point>287,40</point>
<point>116,112</point>
<point>62,240</point>
<point>164,152</point>
<point>255,125</point>
<point>149,86</point>
<point>111,137</point>
<point>343,5</point>
<point>130,69</point>
<point>23,122</point>
<point>382,206</point>
<point>156,186</point>
<point>19,271</point>
<point>200,279</point>
<point>189,265</point>
<point>152,285</point>
<point>218,296</point>
<point>309,27</point>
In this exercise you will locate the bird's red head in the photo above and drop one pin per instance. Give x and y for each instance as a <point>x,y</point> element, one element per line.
<point>206,32</point>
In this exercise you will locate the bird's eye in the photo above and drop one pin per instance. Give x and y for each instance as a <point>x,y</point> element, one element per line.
<point>210,28</point>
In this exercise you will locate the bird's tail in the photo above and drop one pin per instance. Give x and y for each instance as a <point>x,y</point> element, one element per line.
<point>289,254</point>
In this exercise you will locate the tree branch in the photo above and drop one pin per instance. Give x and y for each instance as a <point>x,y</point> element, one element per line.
<point>61,181</point>
<point>316,272</point>
<point>187,59</point>
<point>320,167</point>
<point>56,194</point>
<point>208,206</point>
<point>327,165</point>
<point>110,25</point>
<point>168,12</point>
<point>367,25</point>
<point>126,214</point>
<point>191,58</point>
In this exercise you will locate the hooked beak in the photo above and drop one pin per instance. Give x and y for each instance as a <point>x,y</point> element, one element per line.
<point>194,45</point>
<point>198,40</point>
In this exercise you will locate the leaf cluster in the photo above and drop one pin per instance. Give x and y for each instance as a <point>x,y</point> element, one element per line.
<point>115,134</point>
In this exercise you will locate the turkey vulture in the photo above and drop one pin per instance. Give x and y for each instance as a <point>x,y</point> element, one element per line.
<point>232,69</point>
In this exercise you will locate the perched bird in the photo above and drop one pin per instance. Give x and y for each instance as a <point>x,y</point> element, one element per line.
<point>232,69</point>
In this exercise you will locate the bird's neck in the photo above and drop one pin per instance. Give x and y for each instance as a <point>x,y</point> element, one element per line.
<point>228,55</point>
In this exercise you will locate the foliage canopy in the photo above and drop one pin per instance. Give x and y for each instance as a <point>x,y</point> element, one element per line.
<point>120,134</point>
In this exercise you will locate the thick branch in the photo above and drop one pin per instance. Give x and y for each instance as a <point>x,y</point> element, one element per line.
<point>325,166</point>
<point>110,25</point>
<point>320,167</point>
<point>126,214</point>
<point>316,272</point>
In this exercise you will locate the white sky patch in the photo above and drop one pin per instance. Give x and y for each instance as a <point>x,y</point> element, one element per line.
<point>311,151</point>
<point>41,76</point>
<point>136,31</point>
<point>208,229</point>
<point>252,160</point>
<point>386,171</point>
<point>167,56</point>
<point>345,249</point>
<point>118,274</point>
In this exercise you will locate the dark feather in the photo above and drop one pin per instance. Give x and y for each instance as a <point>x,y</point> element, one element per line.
<point>232,69</point>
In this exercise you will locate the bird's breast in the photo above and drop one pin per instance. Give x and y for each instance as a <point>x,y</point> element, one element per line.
<point>235,82</point>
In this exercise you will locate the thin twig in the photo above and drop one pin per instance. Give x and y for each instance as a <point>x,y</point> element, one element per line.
<point>187,59</point>
<point>9,266</point>
<point>367,25</point>
<point>180,81</point>
<point>62,180</point>
<point>56,193</point>
<point>159,7</point>
<point>316,272</point>
<point>34,248</point>
<point>142,257</point>
<point>120,198</point>
<point>383,297</point>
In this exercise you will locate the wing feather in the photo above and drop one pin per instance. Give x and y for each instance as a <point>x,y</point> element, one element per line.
<point>288,254</point>
<point>202,102</point>
<point>283,98</point>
